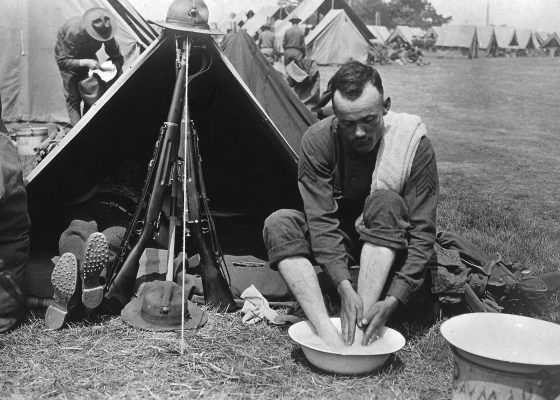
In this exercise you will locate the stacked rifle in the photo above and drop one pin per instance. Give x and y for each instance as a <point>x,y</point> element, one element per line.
<point>175,179</point>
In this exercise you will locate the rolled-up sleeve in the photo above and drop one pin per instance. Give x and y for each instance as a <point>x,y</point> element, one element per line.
<point>421,193</point>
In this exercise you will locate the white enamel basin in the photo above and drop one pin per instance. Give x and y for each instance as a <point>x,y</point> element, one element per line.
<point>352,360</point>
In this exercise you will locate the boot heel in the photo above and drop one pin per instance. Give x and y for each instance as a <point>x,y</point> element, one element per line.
<point>91,298</point>
<point>55,317</point>
<point>96,255</point>
<point>64,279</point>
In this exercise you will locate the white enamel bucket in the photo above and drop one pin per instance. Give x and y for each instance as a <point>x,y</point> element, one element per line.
<point>29,138</point>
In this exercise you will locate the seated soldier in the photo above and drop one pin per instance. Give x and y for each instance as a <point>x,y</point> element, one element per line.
<point>369,184</point>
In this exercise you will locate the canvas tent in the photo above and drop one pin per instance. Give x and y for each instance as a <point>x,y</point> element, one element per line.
<point>541,37</point>
<point>487,43</point>
<point>433,32</point>
<point>457,41</point>
<point>381,33</point>
<point>525,38</point>
<point>552,44</point>
<point>261,17</point>
<point>336,40</point>
<point>249,149</point>
<point>527,42</point>
<point>30,82</point>
<point>431,36</point>
<point>269,87</point>
<point>506,38</point>
<point>312,11</point>
<point>406,34</point>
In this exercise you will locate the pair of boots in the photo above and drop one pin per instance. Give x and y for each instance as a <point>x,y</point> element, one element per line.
<point>72,272</point>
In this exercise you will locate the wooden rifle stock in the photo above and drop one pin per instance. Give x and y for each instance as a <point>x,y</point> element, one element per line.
<point>121,288</point>
<point>217,293</point>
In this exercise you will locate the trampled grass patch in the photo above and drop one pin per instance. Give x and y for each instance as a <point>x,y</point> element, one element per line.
<point>493,124</point>
<point>103,358</point>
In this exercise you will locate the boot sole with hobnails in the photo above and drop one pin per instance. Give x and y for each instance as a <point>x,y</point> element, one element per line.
<point>96,255</point>
<point>64,279</point>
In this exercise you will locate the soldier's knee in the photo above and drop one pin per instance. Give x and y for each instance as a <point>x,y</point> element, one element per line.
<point>282,226</point>
<point>386,206</point>
<point>280,218</point>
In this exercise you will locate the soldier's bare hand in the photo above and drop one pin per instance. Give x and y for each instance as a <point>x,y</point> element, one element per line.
<point>376,317</point>
<point>351,312</point>
<point>91,64</point>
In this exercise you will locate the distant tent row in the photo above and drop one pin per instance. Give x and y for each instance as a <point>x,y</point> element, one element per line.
<point>335,34</point>
<point>458,40</point>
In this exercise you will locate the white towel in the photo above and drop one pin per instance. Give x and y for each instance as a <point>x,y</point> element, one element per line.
<point>107,72</point>
<point>396,151</point>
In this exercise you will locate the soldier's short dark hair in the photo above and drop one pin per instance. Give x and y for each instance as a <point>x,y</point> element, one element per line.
<point>351,79</point>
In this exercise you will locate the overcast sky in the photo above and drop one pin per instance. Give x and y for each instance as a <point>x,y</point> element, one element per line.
<point>542,15</point>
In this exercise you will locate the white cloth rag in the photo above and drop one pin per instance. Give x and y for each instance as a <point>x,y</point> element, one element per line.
<point>107,72</point>
<point>256,308</point>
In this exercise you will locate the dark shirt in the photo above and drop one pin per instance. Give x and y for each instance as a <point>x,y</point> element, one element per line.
<point>73,43</point>
<point>294,39</point>
<point>267,40</point>
<point>334,182</point>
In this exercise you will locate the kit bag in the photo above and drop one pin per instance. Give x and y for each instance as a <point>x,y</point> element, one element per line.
<point>464,277</point>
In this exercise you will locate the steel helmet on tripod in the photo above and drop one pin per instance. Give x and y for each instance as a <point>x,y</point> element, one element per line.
<point>188,16</point>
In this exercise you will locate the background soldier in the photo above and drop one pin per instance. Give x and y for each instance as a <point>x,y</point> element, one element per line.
<point>77,43</point>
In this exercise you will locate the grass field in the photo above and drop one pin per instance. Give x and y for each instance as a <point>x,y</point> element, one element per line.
<point>495,129</point>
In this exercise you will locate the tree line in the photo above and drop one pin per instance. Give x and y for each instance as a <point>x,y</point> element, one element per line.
<point>417,13</point>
